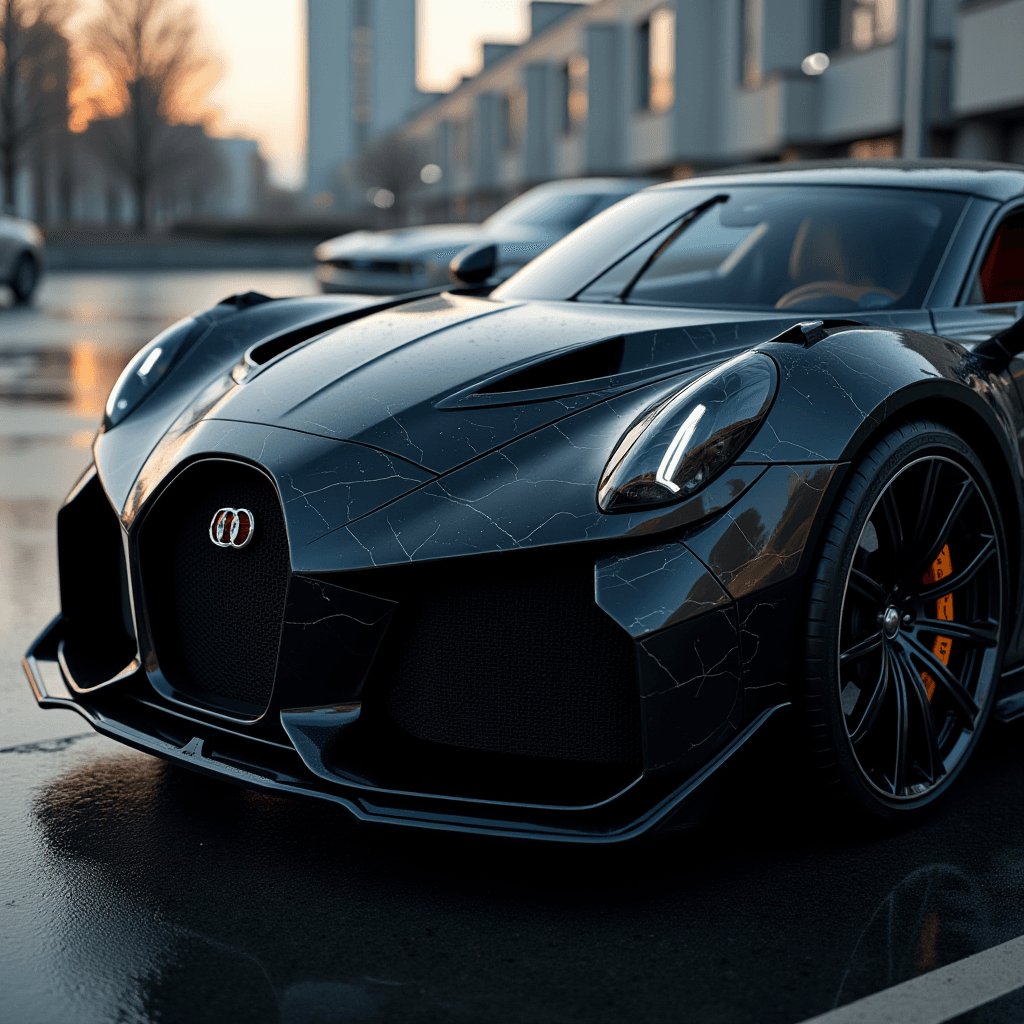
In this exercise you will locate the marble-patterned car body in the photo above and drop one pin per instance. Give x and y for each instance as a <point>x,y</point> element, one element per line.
<point>452,440</point>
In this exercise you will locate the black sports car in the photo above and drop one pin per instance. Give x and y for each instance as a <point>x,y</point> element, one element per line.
<point>540,561</point>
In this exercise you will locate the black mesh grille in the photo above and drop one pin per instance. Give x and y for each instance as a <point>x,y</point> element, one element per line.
<point>510,654</point>
<point>216,613</point>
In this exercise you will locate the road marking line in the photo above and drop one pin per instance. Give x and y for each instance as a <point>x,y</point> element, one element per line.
<point>939,995</point>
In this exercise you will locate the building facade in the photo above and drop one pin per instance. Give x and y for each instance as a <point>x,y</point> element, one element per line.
<point>361,69</point>
<point>671,87</point>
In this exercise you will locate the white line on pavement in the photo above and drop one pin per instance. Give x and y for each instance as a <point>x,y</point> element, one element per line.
<point>939,995</point>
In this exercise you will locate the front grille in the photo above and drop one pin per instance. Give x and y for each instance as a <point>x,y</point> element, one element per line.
<point>215,613</point>
<point>510,654</point>
<point>379,266</point>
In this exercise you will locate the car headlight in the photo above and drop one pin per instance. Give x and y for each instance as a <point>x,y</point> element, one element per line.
<point>148,366</point>
<point>684,442</point>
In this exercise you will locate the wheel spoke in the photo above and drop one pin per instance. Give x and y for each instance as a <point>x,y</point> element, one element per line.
<point>936,590</point>
<point>916,686</point>
<point>867,588</point>
<point>924,514</point>
<point>874,702</point>
<point>963,703</point>
<point>892,517</point>
<point>921,566</point>
<point>899,781</point>
<point>981,636</point>
<point>870,643</point>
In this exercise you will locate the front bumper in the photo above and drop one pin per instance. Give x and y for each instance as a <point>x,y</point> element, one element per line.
<point>132,713</point>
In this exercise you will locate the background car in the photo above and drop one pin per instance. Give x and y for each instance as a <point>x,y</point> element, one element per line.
<point>22,254</point>
<point>408,259</point>
<point>740,456</point>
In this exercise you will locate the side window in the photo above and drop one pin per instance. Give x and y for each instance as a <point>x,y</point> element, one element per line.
<point>1000,277</point>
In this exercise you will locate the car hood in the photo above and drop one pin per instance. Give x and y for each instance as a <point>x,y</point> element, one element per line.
<point>443,380</point>
<point>438,241</point>
<point>452,424</point>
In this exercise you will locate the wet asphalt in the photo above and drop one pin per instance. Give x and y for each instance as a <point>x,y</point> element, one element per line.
<point>134,891</point>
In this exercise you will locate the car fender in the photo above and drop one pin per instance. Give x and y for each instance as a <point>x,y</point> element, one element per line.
<point>837,394</point>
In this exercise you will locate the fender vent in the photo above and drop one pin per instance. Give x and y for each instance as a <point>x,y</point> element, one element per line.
<point>590,363</point>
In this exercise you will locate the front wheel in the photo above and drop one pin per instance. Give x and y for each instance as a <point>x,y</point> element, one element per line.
<point>905,630</point>
<point>25,278</point>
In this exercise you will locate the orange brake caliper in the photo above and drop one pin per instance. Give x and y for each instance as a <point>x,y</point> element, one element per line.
<point>941,645</point>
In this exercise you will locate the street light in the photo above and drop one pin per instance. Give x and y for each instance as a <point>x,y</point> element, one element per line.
<point>431,174</point>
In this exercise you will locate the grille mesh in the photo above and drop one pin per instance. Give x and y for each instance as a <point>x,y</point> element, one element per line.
<point>216,613</point>
<point>512,655</point>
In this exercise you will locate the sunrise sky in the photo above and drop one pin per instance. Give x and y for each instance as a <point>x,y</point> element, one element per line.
<point>261,47</point>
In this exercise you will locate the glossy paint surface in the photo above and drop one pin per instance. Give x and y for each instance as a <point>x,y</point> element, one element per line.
<point>454,426</point>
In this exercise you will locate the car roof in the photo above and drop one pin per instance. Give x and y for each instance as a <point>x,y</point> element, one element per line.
<point>974,177</point>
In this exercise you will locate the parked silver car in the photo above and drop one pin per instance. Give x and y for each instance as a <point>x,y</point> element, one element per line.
<point>405,259</point>
<point>21,256</point>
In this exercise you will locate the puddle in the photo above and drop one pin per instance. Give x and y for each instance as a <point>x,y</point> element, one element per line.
<point>80,376</point>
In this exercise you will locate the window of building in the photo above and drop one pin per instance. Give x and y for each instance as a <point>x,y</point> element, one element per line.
<point>574,111</point>
<point>656,61</point>
<point>752,38</point>
<point>565,118</point>
<point>857,24</point>
<point>662,56</point>
<point>885,148</point>
<point>1001,274</point>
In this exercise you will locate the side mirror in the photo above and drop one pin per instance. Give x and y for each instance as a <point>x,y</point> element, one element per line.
<point>475,264</point>
<point>1008,342</point>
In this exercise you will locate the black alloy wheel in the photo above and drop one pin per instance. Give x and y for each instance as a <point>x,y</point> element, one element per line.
<point>25,277</point>
<point>904,637</point>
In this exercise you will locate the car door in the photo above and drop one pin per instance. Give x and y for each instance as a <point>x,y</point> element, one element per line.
<point>991,298</point>
<point>991,295</point>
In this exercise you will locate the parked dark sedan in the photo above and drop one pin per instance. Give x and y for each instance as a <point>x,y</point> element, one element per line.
<point>540,561</point>
<point>405,259</point>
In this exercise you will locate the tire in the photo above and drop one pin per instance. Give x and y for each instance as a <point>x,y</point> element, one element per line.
<point>893,707</point>
<point>25,277</point>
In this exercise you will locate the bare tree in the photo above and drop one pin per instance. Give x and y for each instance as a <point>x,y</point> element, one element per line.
<point>150,49</point>
<point>33,81</point>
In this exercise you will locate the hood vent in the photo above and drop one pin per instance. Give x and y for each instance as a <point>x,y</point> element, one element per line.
<point>266,351</point>
<point>262,353</point>
<point>590,363</point>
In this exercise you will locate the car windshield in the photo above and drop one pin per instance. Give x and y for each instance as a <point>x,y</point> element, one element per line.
<point>560,211</point>
<point>800,248</point>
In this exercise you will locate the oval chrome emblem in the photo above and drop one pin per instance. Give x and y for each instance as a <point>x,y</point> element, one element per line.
<point>232,527</point>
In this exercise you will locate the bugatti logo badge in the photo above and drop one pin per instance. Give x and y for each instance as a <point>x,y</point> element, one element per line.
<point>232,527</point>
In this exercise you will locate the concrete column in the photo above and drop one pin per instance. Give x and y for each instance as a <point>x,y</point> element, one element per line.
<point>606,94</point>
<point>915,56</point>
<point>788,35</point>
<point>696,82</point>
<point>540,126</point>
<point>485,132</point>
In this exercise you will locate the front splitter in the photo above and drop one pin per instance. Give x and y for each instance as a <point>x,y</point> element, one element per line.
<point>656,806</point>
